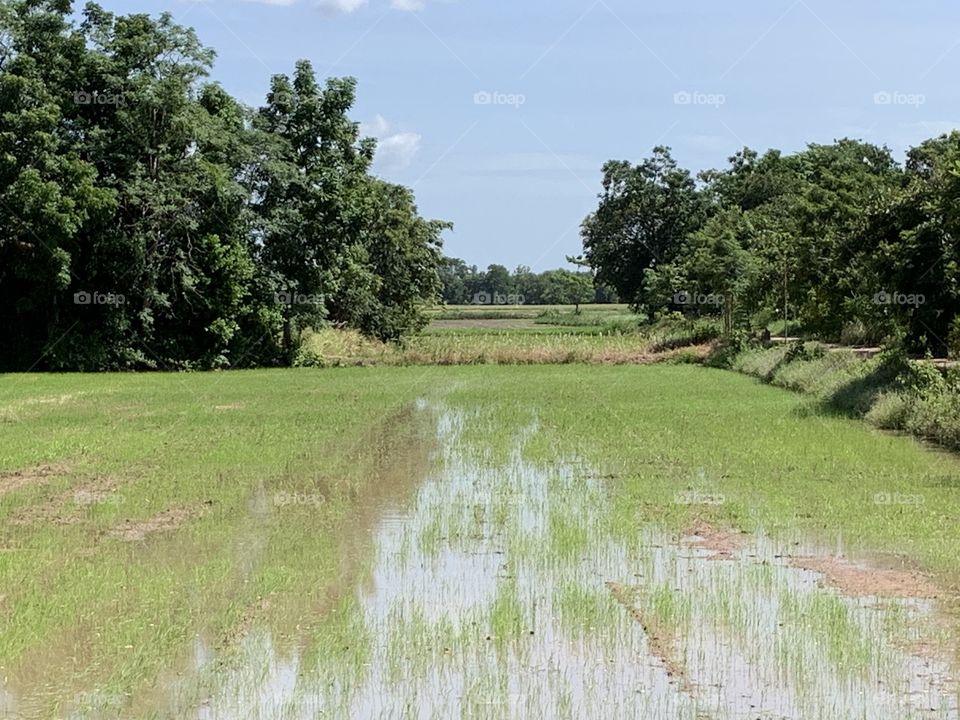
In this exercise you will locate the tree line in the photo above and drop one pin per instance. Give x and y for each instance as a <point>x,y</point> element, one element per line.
<point>464,284</point>
<point>838,240</point>
<point>148,219</point>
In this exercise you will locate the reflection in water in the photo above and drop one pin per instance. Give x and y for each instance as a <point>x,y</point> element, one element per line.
<point>489,598</point>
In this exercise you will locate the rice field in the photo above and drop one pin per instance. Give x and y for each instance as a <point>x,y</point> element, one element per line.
<point>481,541</point>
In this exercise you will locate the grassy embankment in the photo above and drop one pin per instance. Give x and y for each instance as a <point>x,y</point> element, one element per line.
<point>888,391</point>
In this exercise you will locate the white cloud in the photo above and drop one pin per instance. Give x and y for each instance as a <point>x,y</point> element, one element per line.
<point>409,5</point>
<point>395,150</point>
<point>335,7</point>
<point>377,128</point>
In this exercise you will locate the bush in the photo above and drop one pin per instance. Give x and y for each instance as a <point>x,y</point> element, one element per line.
<point>953,339</point>
<point>675,331</point>
<point>804,351</point>
<point>854,333</point>
<point>890,411</point>
<point>923,380</point>
<point>760,363</point>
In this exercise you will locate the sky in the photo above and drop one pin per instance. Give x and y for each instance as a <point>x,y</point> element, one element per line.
<point>499,115</point>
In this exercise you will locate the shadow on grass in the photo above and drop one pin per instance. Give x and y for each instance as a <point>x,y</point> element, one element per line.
<point>854,397</point>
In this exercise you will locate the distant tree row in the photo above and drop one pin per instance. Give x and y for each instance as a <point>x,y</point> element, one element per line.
<point>465,284</point>
<point>841,239</point>
<point>150,220</point>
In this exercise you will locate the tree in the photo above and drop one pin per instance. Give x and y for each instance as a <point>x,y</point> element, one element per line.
<point>403,252</point>
<point>910,269</point>
<point>645,213</point>
<point>313,176</point>
<point>48,190</point>
<point>563,287</point>
<point>838,182</point>
<point>717,263</point>
<point>497,281</point>
<point>213,233</point>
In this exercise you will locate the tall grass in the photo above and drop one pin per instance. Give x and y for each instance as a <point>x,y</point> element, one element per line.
<point>889,391</point>
<point>486,346</point>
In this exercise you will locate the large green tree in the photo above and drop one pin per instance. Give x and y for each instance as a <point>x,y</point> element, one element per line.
<point>149,220</point>
<point>645,213</point>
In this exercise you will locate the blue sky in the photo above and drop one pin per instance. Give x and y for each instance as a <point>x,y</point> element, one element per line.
<point>500,114</point>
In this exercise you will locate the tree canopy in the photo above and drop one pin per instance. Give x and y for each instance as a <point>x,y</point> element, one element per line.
<point>465,284</point>
<point>838,239</point>
<point>150,220</point>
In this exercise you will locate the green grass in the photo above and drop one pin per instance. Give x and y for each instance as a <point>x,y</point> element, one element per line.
<point>889,392</point>
<point>221,446</point>
<point>338,446</point>
<point>510,312</point>
<point>577,339</point>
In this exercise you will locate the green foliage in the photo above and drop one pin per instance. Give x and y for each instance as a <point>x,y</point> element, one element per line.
<point>953,339</point>
<point>463,284</point>
<point>150,220</point>
<point>646,212</point>
<point>837,239</point>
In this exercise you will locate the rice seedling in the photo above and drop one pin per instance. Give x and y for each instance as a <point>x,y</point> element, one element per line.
<point>543,542</point>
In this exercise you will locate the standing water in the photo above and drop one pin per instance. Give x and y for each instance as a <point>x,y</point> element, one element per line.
<point>502,591</point>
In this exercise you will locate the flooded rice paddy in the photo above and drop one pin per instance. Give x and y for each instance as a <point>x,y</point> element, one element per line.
<point>499,587</point>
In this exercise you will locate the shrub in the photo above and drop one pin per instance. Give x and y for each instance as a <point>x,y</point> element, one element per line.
<point>890,411</point>
<point>953,339</point>
<point>761,363</point>
<point>854,333</point>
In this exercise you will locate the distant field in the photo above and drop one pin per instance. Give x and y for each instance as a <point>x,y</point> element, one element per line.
<point>527,317</point>
<point>455,312</point>
<point>612,335</point>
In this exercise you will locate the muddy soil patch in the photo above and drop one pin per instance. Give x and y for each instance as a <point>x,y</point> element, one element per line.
<point>663,643</point>
<point>67,507</point>
<point>857,580</point>
<point>164,521</point>
<point>723,543</point>
<point>13,481</point>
